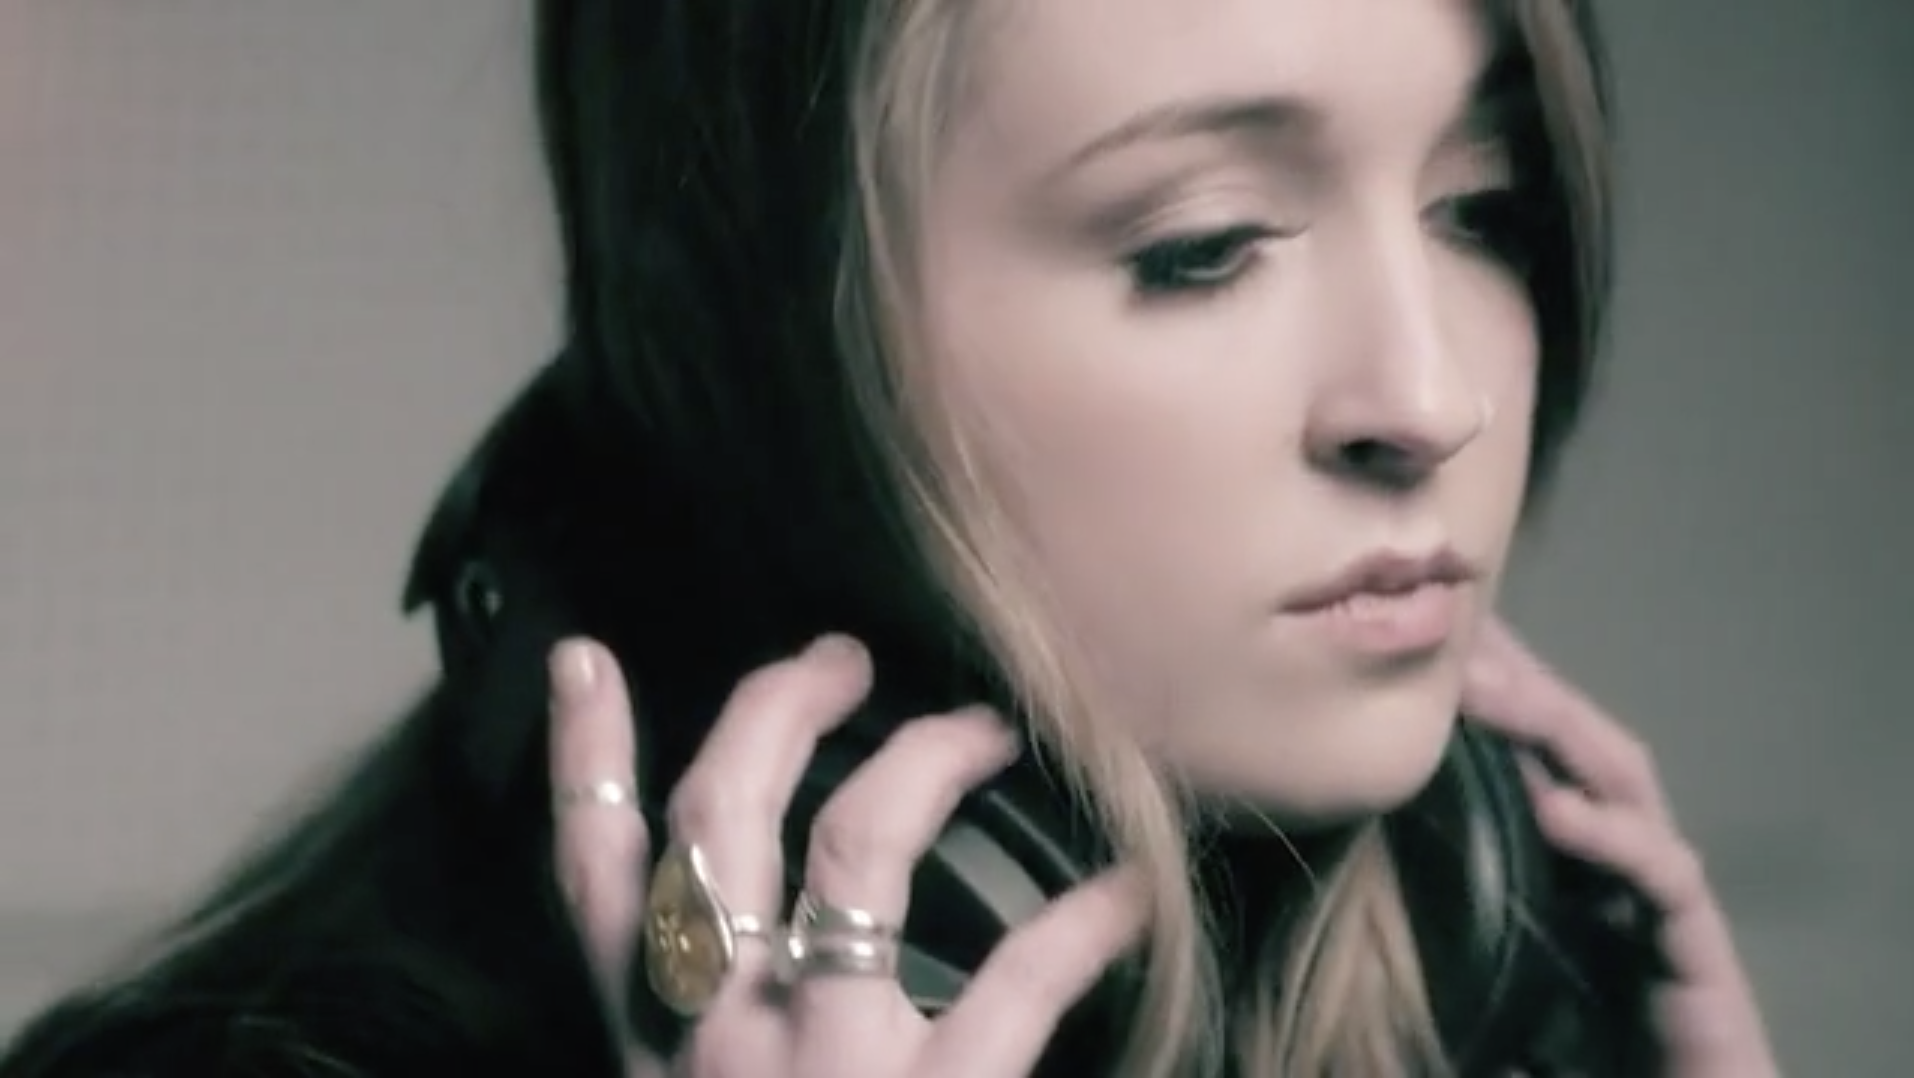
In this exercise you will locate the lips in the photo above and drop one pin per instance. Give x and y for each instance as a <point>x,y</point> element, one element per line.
<point>1387,606</point>
<point>1392,627</point>
<point>1382,575</point>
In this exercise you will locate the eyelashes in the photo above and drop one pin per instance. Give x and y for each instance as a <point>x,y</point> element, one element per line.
<point>1498,224</point>
<point>1501,224</point>
<point>1197,262</point>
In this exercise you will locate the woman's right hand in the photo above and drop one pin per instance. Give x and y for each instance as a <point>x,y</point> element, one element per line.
<point>763,1021</point>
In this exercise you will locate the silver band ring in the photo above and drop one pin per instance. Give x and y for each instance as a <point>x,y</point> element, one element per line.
<point>612,792</point>
<point>814,917</point>
<point>828,940</point>
<point>838,955</point>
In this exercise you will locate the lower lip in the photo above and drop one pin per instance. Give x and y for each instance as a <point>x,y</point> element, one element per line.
<point>1391,625</point>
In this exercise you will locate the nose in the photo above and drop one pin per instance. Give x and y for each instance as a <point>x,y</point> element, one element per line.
<point>1396,402</point>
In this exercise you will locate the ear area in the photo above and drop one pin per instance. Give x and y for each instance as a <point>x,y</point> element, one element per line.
<point>494,614</point>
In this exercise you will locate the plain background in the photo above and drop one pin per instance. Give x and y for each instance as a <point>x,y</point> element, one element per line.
<point>267,265</point>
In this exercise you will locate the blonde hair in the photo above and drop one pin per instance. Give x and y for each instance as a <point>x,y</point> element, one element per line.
<point>1340,989</point>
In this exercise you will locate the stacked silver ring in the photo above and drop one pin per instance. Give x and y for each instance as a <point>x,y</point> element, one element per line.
<point>826,940</point>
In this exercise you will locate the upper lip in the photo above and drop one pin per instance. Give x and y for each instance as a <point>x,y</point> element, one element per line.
<point>1382,573</point>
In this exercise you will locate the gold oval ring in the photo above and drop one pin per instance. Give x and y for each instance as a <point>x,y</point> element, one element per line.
<point>690,937</point>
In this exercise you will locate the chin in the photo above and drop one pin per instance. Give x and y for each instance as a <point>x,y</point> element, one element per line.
<point>1362,760</point>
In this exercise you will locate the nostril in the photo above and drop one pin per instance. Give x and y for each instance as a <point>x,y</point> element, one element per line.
<point>1367,453</point>
<point>1380,462</point>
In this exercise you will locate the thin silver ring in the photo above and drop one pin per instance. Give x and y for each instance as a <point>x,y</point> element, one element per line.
<point>751,926</point>
<point>813,916</point>
<point>611,792</point>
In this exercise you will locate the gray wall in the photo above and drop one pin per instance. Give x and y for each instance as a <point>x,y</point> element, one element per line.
<point>265,265</point>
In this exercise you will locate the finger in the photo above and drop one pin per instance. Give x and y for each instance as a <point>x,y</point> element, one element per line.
<point>1509,690</point>
<point>866,841</point>
<point>1011,1009</point>
<point>1656,861</point>
<point>732,800</point>
<point>601,848</point>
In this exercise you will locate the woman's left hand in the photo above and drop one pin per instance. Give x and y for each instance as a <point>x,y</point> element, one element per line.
<point>1597,798</point>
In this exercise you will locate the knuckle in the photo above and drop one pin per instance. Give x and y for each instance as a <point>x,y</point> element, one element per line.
<point>893,807</point>
<point>702,806</point>
<point>713,1051</point>
<point>690,810</point>
<point>847,839</point>
<point>612,851</point>
<point>805,689</point>
<point>764,689</point>
<point>587,888</point>
<point>627,843</point>
<point>595,862</point>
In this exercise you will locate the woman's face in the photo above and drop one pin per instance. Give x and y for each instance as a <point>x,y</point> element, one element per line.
<point>1210,288</point>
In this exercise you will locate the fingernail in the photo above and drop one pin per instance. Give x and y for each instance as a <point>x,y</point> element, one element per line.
<point>1009,737</point>
<point>574,671</point>
<point>1013,743</point>
<point>833,648</point>
<point>1133,887</point>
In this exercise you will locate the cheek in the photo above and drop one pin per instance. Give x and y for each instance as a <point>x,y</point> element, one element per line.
<point>1504,341</point>
<point>1510,358</point>
<point>1495,334</point>
<point>1112,443</point>
<point>1130,462</point>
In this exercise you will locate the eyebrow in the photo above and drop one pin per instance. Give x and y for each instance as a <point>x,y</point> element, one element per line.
<point>1482,119</point>
<point>1200,116</point>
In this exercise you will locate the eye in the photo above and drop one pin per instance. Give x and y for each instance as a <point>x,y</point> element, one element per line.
<point>1499,222</point>
<point>1201,262</point>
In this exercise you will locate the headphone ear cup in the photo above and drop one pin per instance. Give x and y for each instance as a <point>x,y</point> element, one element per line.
<point>1003,855</point>
<point>1475,871</point>
<point>1009,848</point>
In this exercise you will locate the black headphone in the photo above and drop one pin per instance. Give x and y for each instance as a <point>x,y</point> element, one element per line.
<point>531,541</point>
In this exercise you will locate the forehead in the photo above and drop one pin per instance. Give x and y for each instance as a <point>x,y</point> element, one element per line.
<point>1053,75</point>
